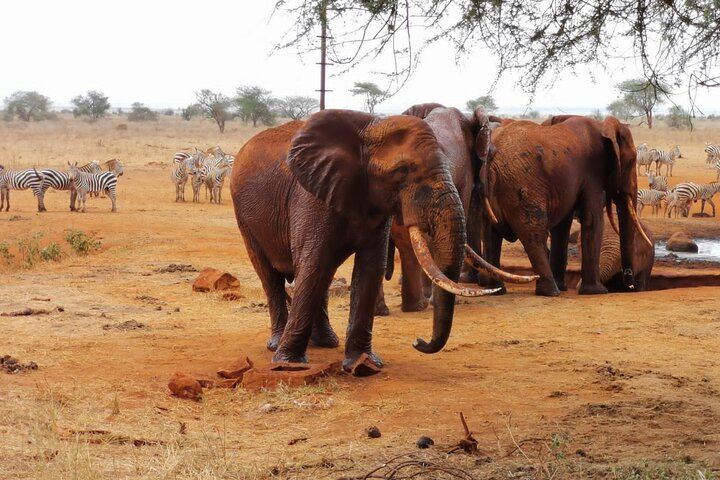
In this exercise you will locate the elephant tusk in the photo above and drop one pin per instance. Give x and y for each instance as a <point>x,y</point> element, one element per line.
<point>489,211</point>
<point>480,264</point>
<point>636,220</point>
<point>428,265</point>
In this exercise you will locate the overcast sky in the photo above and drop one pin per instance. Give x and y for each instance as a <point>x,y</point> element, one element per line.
<point>159,52</point>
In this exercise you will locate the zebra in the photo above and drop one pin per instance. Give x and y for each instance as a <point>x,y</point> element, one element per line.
<point>202,166</point>
<point>670,203</point>
<point>716,166</point>
<point>214,179</point>
<point>706,193</point>
<point>182,161</point>
<point>95,182</point>
<point>19,180</point>
<point>713,152</point>
<point>686,193</point>
<point>667,158</point>
<point>645,157</point>
<point>657,182</point>
<point>649,197</point>
<point>60,180</point>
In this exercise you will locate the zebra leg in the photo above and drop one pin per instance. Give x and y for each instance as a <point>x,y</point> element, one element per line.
<point>83,197</point>
<point>111,194</point>
<point>73,199</point>
<point>712,205</point>
<point>560,234</point>
<point>41,201</point>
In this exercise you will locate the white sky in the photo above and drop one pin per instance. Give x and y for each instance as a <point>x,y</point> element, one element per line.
<point>159,52</point>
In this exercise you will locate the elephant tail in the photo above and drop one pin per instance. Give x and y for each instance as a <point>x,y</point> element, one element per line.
<point>390,260</point>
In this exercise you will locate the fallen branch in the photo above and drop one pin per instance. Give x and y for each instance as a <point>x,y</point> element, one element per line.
<point>468,444</point>
<point>105,436</point>
<point>27,311</point>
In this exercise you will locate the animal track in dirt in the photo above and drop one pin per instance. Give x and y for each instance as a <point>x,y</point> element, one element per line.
<point>176,267</point>
<point>13,365</point>
<point>126,325</point>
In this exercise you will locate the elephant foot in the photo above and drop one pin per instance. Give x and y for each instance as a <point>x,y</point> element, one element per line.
<point>592,289</point>
<point>381,309</point>
<point>362,364</point>
<point>274,341</point>
<point>562,286</point>
<point>324,338</point>
<point>546,287</point>
<point>414,305</point>
<point>283,355</point>
<point>502,290</point>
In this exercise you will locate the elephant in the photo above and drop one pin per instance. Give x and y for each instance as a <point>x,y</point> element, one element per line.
<point>309,194</point>
<point>464,142</point>
<point>538,176</point>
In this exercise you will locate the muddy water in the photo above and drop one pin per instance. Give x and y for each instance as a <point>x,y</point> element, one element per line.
<point>708,251</point>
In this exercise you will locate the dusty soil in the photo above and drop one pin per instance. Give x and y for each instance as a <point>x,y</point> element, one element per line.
<point>614,386</point>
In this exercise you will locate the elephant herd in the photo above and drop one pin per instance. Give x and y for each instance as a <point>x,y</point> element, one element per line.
<point>439,186</point>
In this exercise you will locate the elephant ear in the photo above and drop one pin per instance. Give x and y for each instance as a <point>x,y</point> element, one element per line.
<point>422,110</point>
<point>328,158</point>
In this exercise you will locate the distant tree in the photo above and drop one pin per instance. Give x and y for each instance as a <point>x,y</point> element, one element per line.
<point>620,109</point>
<point>531,114</point>
<point>28,106</point>
<point>641,96</point>
<point>297,108</point>
<point>141,113</point>
<point>678,117</point>
<point>487,102</point>
<point>214,105</point>
<point>193,110</point>
<point>169,112</point>
<point>596,114</point>
<point>93,105</point>
<point>373,94</point>
<point>254,105</point>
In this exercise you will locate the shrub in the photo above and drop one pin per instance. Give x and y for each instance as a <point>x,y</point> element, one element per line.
<point>81,243</point>
<point>51,253</point>
<point>5,252</point>
<point>30,250</point>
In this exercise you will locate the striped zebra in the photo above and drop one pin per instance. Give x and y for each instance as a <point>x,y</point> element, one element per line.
<point>716,166</point>
<point>667,158</point>
<point>713,152</point>
<point>649,197</point>
<point>685,194</point>
<point>670,203</point>
<point>214,178</point>
<point>204,168</point>
<point>95,182</point>
<point>645,157</point>
<point>657,182</point>
<point>181,164</point>
<point>19,180</point>
<point>60,180</point>
<point>706,193</point>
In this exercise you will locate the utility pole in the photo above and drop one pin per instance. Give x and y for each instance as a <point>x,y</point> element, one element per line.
<point>323,38</point>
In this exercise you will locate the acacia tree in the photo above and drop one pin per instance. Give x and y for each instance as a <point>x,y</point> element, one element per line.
<point>27,106</point>
<point>674,41</point>
<point>93,105</point>
<point>641,96</point>
<point>373,94</point>
<point>297,108</point>
<point>254,104</point>
<point>214,105</point>
<point>487,102</point>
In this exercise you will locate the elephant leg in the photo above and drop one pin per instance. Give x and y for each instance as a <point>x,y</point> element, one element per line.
<point>558,250</point>
<point>381,308</point>
<point>311,287</point>
<point>591,221</point>
<point>273,283</point>
<point>535,243</point>
<point>414,298</point>
<point>492,250</point>
<point>367,277</point>
<point>322,333</point>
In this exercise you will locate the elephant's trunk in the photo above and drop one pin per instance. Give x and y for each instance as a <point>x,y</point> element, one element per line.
<point>446,228</point>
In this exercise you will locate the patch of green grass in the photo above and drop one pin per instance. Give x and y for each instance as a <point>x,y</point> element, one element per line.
<point>51,253</point>
<point>5,253</point>
<point>30,250</point>
<point>81,243</point>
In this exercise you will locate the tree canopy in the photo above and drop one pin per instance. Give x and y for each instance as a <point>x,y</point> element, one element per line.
<point>93,105</point>
<point>27,106</point>
<point>254,104</point>
<point>675,42</point>
<point>373,94</point>
<point>212,105</point>
<point>296,108</point>
<point>640,96</point>
<point>487,102</point>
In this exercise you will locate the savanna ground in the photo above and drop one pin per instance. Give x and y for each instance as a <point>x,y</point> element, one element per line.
<point>621,386</point>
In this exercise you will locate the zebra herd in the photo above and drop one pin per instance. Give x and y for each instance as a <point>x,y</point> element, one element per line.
<point>678,199</point>
<point>88,178</point>
<point>209,168</point>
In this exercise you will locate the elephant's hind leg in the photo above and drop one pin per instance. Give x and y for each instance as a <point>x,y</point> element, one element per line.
<point>559,249</point>
<point>322,333</point>
<point>535,243</point>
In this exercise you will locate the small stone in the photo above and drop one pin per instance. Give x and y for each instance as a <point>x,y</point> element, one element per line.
<point>267,408</point>
<point>424,442</point>
<point>373,432</point>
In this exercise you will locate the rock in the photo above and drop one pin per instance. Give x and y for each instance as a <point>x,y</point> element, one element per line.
<point>681,242</point>
<point>373,432</point>
<point>185,386</point>
<point>214,279</point>
<point>290,374</point>
<point>364,367</point>
<point>237,369</point>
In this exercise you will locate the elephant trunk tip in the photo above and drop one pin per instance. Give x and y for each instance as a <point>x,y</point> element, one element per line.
<point>422,346</point>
